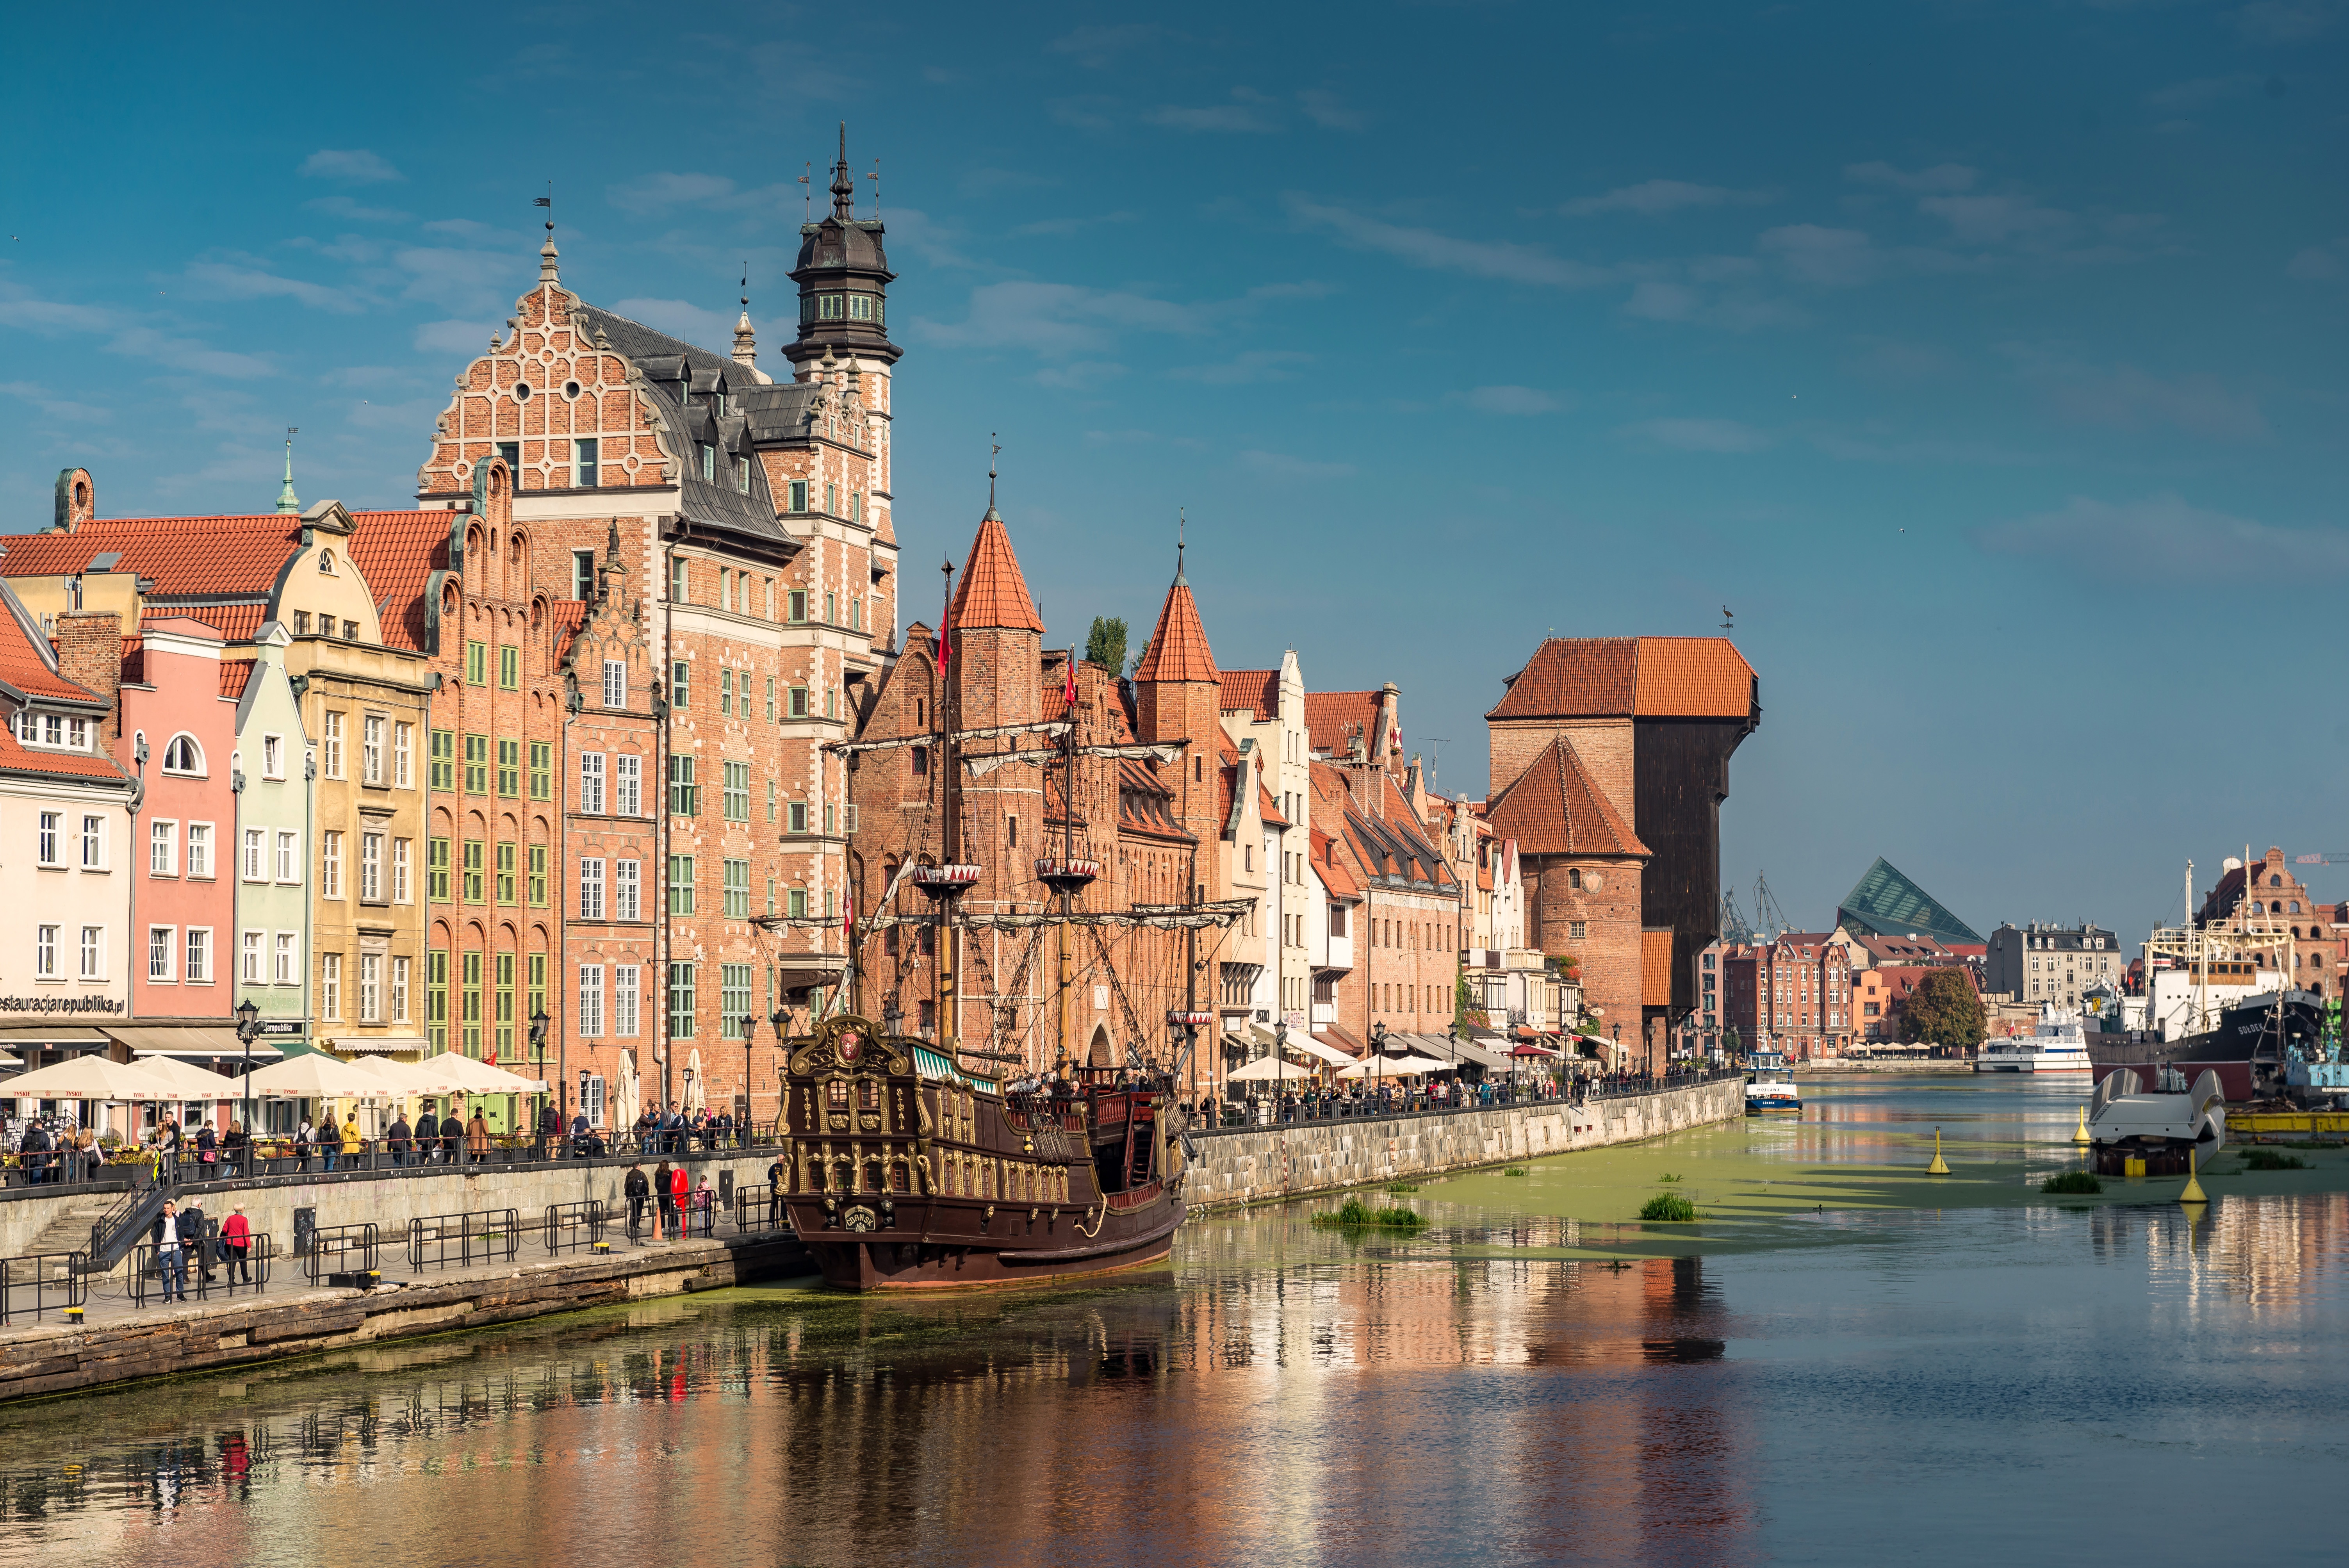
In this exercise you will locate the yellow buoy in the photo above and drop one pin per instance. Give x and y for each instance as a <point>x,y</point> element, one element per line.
<point>2193,1193</point>
<point>2081,1136</point>
<point>1939,1167</point>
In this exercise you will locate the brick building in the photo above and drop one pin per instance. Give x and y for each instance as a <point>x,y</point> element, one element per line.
<point>2312,937</point>
<point>1791,994</point>
<point>1631,738</point>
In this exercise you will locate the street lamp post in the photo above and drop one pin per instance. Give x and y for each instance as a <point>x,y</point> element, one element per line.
<point>538,1023</point>
<point>778,1018</point>
<point>248,1025</point>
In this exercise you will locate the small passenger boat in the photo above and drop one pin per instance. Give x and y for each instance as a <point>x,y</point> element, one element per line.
<point>1769,1085</point>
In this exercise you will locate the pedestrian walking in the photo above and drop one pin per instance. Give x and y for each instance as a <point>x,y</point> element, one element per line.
<point>477,1137</point>
<point>236,1246</point>
<point>302,1145</point>
<point>453,1133</point>
<point>352,1142</point>
<point>196,1235</point>
<point>665,1203</point>
<point>636,1189</point>
<point>170,1259</point>
<point>235,1146</point>
<point>398,1136</point>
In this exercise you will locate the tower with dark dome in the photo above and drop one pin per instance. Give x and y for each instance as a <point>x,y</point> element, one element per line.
<point>844,277</point>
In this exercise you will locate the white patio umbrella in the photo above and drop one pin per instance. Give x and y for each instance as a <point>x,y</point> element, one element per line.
<point>314,1075</point>
<point>406,1078</point>
<point>93,1078</point>
<point>192,1082</point>
<point>477,1078</point>
<point>624,1109</point>
<point>1266,1068</point>
<point>1395,1066</point>
<point>695,1085</point>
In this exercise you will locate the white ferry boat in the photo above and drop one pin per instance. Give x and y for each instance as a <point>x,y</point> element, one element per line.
<point>2057,1045</point>
<point>1769,1086</point>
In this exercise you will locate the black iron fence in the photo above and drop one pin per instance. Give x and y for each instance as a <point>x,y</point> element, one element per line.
<point>571,1226</point>
<point>41,1283</point>
<point>482,1236</point>
<point>759,1209</point>
<point>212,1269</point>
<point>349,1251</point>
<point>385,1156</point>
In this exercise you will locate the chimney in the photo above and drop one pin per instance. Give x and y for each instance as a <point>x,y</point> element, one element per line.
<point>90,653</point>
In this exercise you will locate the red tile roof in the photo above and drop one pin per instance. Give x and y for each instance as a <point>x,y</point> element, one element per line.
<point>1268,810</point>
<point>397,552</point>
<point>15,758</point>
<point>1331,718</point>
<point>1335,875</point>
<point>568,615</point>
<point>27,662</point>
<point>1178,649</point>
<point>234,675</point>
<point>1648,677</point>
<point>239,623</point>
<point>1554,809</point>
<point>992,593</point>
<point>181,556</point>
<point>1255,691</point>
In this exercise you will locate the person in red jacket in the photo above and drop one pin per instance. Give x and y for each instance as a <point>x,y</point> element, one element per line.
<point>681,1188</point>
<point>236,1242</point>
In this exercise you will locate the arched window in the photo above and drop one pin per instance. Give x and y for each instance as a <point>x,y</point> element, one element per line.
<point>2295,906</point>
<point>327,562</point>
<point>184,756</point>
<point>2275,881</point>
<point>2255,906</point>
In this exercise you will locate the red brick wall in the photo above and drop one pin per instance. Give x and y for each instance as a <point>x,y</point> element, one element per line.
<point>89,652</point>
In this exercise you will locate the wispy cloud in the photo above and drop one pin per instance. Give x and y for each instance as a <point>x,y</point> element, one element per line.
<point>1252,366</point>
<point>1281,465</point>
<point>352,165</point>
<point>1445,250</point>
<point>1513,400</point>
<point>2202,91</point>
<point>462,282</point>
<point>52,407</point>
<point>1832,258</point>
<point>444,337</point>
<point>1080,376</point>
<point>1250,111</point>
<point>238,280</point>
<point>651,194</point>
<point>2125,397</point>
<point>1097,45</point>
<point>1997,219</point>
<point>2318,262</point>
<point>1941,179</point>
<point>1060,319</point>
<point>712,329</point>
<point>155,340</point>
<point>344,207</point>
<point>2165,538</point>
<point>1653,198</point>
<point>1692,436</point>
<point>2288,21</point>
<point>1328,110</point>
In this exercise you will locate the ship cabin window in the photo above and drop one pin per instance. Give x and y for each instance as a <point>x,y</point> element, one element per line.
<point>843,1176</point>
<point>873,1176</point>
<point>899,1181</point>
<point>868,1095</point>
<point>836,1094</point>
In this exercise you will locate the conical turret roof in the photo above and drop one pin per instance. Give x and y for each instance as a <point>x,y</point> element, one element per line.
<point>992,592</point>
<point>1178,649</point>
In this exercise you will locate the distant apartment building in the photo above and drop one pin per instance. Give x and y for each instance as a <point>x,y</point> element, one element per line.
<point>1791,994</point>
<point>2039,962</point>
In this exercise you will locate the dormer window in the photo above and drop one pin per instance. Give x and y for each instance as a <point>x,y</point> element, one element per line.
<point>742,475</point>
<point>827,307</point>
<point>327,562</point>
<point>860,307</point>
<point>708,462</point>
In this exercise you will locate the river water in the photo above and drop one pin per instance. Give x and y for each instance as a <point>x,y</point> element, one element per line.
<point>1843,1360</point>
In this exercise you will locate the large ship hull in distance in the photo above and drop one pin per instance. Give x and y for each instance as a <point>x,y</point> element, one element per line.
<point>2246,1050</point>
<point>906,1172</point>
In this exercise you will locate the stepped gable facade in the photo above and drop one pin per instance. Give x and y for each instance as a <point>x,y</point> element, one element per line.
<point>752,517</point>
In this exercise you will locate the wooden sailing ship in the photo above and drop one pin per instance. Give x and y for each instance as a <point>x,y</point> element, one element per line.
<point>918,1161</point>
<point>907,1171</point>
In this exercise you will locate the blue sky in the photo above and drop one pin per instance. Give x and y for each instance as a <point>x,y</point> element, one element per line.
<point>1985,359</point>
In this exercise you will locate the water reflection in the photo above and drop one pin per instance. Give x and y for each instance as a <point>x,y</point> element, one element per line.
<point>1284,1395</point>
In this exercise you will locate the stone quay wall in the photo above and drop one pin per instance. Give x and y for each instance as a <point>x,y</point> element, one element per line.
<point>1270,1164</point>
<point>54,1358</point>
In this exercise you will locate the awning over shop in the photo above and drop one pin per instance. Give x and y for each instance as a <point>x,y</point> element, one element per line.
<point>1331,1034</point>
<point>357,1045</point>
<point>1471,1052</point>
<point>20,1037</point>
<point>188,1042</point>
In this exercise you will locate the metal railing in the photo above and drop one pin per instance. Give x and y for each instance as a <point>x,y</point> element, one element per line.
<point>223,1273</point>
<point>571,1226</point>
<point>485,1235</point>
<point>117,1229</point>
<point>1252,1114</point>
<point>380,1156</point>
<point>757,1209</point>
<point>41,1283</point>
<point>340,1249</point>
<point>56,1172</point>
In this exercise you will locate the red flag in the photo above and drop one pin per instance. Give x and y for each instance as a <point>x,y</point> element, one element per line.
<point>946,618</point>
<point>1069,685</point>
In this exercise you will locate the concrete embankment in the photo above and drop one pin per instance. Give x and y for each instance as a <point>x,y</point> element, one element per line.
<point>1289,1162</point>
<point>54,1358</point>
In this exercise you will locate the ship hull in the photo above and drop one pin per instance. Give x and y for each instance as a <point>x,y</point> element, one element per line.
<point>904,1171</point>
<point>957,1249</point>
<point>2246,1050</point>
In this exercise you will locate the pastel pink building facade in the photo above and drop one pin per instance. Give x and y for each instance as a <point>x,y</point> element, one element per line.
<point>183,922</point>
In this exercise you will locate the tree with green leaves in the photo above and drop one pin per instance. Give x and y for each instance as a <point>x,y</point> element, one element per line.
<point>1105,645</point>
<point>1943,1010</point>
